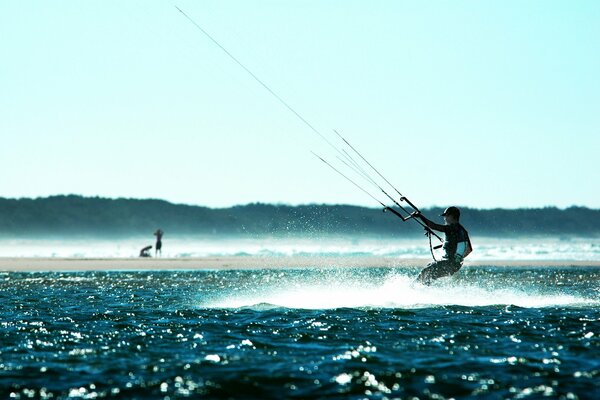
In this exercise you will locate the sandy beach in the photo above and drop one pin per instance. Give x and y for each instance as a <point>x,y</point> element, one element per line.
<point>250,262</point>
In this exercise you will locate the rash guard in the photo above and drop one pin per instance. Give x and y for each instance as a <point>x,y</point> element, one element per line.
<point>457,243</point>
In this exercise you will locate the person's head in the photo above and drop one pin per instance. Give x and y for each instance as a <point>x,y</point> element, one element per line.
<point>451,215</point>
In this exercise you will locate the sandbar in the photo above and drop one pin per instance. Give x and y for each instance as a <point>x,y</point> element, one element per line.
<point>253,262</point>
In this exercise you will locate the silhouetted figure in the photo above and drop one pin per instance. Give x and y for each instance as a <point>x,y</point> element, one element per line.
<point>457,246</point>
<point>158,248</point>
<point>145,252</point>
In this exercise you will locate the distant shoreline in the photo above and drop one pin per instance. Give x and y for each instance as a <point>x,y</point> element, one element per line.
<point>78,216</point>
<point>252,262</point>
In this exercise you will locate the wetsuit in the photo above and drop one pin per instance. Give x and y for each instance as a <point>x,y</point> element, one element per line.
<point>456,245</point>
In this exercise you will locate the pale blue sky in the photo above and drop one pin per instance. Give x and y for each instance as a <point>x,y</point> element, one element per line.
<point>474,103</point>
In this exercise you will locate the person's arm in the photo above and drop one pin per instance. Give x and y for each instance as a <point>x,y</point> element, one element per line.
<point>431,224</point>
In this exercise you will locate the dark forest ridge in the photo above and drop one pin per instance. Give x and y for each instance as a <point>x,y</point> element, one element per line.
<point>102,217</point>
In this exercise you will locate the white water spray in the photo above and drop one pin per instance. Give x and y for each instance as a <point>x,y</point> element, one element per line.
<point>397,291</point>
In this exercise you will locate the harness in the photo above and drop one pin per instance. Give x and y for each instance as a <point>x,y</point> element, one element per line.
<point>463,248</point>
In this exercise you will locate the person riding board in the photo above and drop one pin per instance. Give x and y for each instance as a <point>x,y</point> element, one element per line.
<point>457,246</point>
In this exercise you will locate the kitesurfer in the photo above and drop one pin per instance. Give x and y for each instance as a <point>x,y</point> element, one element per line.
<point>457,246</point>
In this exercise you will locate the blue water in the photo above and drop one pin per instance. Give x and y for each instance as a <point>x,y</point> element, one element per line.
<point>349,333</point>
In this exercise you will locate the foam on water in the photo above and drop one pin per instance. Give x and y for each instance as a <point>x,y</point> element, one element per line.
<point>396,291</point>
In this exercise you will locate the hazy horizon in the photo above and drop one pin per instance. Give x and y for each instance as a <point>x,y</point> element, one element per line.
<point>487,248</point>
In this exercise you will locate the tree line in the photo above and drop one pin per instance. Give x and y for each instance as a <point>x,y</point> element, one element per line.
<point>102,217</point>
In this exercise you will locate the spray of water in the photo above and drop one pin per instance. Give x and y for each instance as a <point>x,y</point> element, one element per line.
<point>394,291</point>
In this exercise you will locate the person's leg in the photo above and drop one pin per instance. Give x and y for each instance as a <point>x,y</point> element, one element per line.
<point>436,270</point>
<point>425,275</point>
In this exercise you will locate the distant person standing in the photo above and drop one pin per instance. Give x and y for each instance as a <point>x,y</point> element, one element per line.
<point>158,248</point>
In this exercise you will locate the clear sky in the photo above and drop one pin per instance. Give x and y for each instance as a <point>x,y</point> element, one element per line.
<point>474,103</point>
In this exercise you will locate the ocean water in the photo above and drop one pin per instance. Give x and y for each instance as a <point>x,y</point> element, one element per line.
<point>305,333</point>
<point>524,248</point>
